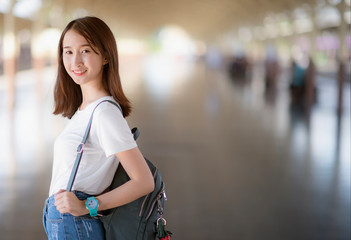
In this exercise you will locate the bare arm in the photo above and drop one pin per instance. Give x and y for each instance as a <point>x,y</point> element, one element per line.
<point>141,183</point>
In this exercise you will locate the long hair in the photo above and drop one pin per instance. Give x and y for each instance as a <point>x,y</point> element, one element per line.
<point>67,94</point>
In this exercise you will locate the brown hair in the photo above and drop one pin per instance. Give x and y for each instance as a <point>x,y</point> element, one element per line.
<point>67,94</point>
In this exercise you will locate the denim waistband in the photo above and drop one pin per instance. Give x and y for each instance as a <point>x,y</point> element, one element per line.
<point>80,196</point>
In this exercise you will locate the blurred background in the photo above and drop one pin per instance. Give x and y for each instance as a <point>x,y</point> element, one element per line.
<point>244,106</point>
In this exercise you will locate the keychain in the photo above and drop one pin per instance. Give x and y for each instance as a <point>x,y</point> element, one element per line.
<point>162,233</point>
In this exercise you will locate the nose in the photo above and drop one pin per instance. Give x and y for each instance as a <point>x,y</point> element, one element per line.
<point>77,60</point>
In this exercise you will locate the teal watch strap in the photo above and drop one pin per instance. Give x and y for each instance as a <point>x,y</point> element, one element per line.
<point>93,212</point>
<point>92,205</point>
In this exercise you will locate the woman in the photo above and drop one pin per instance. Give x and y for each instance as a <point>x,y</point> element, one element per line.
<point>88,74</point>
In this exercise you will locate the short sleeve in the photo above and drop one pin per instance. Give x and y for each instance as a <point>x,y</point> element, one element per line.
<point>112,130</point>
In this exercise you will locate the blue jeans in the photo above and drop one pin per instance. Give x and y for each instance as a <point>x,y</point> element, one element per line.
<point>66,226</point>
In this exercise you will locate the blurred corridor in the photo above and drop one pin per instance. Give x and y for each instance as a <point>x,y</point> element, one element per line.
<point>234,163</point>
<point>243,152</point>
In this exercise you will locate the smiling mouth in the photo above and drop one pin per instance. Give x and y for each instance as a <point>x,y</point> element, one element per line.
<point>79,73</point>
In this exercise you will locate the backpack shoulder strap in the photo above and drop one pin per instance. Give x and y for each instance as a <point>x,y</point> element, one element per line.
<point>82,144</point>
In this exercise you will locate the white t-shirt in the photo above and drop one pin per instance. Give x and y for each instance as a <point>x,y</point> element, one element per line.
<point>109,134</point>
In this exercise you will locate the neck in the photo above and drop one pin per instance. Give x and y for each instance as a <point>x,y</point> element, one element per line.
<point>91,94</point>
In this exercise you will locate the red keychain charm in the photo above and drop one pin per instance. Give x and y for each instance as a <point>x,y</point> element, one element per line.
<point>162,233</point>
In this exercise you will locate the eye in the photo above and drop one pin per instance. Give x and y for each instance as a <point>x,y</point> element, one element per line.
<point>68,52</point>
<point>85,51</point>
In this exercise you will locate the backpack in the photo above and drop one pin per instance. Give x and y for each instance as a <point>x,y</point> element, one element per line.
<point>141,219</point>
<point>136,220</point>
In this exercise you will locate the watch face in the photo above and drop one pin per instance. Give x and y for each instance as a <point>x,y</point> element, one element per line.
<point>92,204</point>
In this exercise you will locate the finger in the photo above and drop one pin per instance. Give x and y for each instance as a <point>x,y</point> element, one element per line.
<point>58,203</point>
<point>58,194</point>
<point>59,200</point>
<point>61,209</point>
<point>60,191</point>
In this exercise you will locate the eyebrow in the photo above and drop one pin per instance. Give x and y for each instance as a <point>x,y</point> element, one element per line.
<point>84,45</point>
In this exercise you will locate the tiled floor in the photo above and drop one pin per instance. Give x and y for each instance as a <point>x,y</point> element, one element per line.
<point>237,164</point>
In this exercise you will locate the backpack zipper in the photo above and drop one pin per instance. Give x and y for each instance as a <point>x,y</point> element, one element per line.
<point>142,205</point>
<point>158,199</point>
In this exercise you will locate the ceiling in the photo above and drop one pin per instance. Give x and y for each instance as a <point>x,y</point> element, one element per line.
<point>202,19</point>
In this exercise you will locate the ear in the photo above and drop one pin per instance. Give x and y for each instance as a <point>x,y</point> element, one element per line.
<point>105,61</point>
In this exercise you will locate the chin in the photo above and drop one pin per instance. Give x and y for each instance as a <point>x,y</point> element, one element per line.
<point>77,81</point>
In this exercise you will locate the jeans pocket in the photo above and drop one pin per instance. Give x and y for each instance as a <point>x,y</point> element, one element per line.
<point>89,228</point>
<point>53,215</point>
<point>53,223</point>
<point>44,217</point>
<point>55,230</point>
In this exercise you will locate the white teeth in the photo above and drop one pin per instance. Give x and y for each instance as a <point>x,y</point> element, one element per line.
<point>78,71</point>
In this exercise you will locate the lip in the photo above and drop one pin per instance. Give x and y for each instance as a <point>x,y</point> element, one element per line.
<point>79,72</point>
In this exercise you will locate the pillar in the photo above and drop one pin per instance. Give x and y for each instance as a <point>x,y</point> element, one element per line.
<point>10,52</point>
<point>342,55</point>
<point>38,55</point>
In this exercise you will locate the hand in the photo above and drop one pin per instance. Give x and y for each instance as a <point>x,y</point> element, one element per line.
<point>67,202</point>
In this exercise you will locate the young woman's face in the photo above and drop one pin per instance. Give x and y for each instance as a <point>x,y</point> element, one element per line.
<point>80,61</point>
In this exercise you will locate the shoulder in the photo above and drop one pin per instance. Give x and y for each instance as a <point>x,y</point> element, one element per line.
<point>106,110</point>
<point>109,124</point>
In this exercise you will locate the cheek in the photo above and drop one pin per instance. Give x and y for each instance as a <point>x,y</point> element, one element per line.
<point>94,63</point>
<point>66,64</point>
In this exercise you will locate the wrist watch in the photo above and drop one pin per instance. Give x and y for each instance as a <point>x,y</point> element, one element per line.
<point>92,205</point>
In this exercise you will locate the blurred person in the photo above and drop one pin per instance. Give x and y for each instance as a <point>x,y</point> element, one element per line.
<point>238,67</point>
<point>302,86</point>
<point>272,68</point>
<point>272,72</point>
<point>310,83</point>
<point>87,75</point>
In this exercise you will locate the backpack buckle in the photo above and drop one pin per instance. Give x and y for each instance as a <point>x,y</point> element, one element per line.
<point>80,148</point>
